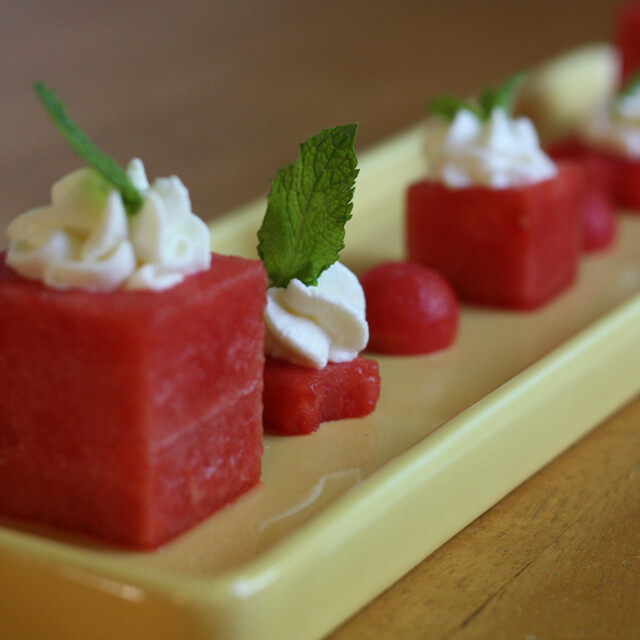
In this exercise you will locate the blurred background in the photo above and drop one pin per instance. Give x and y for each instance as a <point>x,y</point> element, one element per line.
<point>221,92</point>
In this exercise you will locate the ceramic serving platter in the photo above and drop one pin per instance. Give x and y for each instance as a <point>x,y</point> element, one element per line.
<point>341,514</point>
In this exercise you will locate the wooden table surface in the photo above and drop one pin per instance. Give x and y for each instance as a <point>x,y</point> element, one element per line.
<point>221,93</point>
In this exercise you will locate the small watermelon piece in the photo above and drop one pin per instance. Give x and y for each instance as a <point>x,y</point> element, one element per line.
<point>598,220</point>
<point>599,166</point>
<point>131,415</point>
<point>410,309</point>
<point>627,38</point>
<point>626,185</point>
<point>597,208</point>
<point>297,399</point>
<point>616,174</point>
<point>514,248</point>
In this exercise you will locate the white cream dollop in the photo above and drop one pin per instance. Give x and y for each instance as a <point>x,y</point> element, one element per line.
<point>314,325</point>
<point>499,153</point>
<point>84,238</point>
<point>615,126</point>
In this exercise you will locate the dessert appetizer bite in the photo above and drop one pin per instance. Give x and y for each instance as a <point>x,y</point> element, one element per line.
<point>132,396</point>
<point>627,38</point>
<point>315,313</point>
<point>410,309</point>
<point>597,208</point>
<point>609,142</point>
<point>559,96</point>
<point>495,215</point>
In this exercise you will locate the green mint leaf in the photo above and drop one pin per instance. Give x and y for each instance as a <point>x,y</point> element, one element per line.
<point>308,206</point>
<point>447,106</point>
<point>630,86</point>
<point>110,170</point>
<point>501,97</point>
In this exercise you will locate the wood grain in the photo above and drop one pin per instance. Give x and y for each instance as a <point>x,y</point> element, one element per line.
<point>221,92</point>
<point>557,558</point>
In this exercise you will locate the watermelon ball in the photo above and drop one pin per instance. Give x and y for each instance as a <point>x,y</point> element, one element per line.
<point>411,309</point>
<point>598,219</point>
<point>597,207</point>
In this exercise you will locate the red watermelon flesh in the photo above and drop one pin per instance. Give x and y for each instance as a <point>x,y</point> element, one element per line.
<point>616,174</point>
<point>297,399</point>
<point>598,220</point>
<point>514,248</point>
<point>597,210</point>
<point>627,38</point>
<point>131,415</point>
<point>598,166</point>
<point>410,309</point>
<point>626,185</point>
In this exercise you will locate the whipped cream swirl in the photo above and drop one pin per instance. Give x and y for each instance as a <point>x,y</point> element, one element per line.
<point>499,153</point>
<point>615,126</point>
<point>84,238</point>
<point>314,325</point>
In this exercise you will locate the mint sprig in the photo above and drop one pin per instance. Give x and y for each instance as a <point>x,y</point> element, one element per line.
<point>490,98</point>
<point>447,106</point>
<point>501,97</point>
<point>110,170</point>
<point>308,206</point>
<point>630,86</point>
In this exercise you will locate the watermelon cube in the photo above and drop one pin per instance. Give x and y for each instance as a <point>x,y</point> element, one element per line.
<point>627,38</point>
<point>598,165</point>
<point>626,185</point>
<point>616,174</point>
<point>514,248</point>
<point>131,415</point>
<point>597,210</point>
<point>297,399</point>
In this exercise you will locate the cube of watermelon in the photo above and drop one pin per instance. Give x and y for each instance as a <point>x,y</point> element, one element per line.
<point>297,399</point>
<point>627,38</point>
<point>131,415</point>
<point>597,210</point>
<point>599,168</point>
<point>626,185</point>
<point>514,248</point>
<point>616,174</point>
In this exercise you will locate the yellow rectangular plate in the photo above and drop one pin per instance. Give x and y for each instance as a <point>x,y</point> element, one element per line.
<point>343,513</point>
